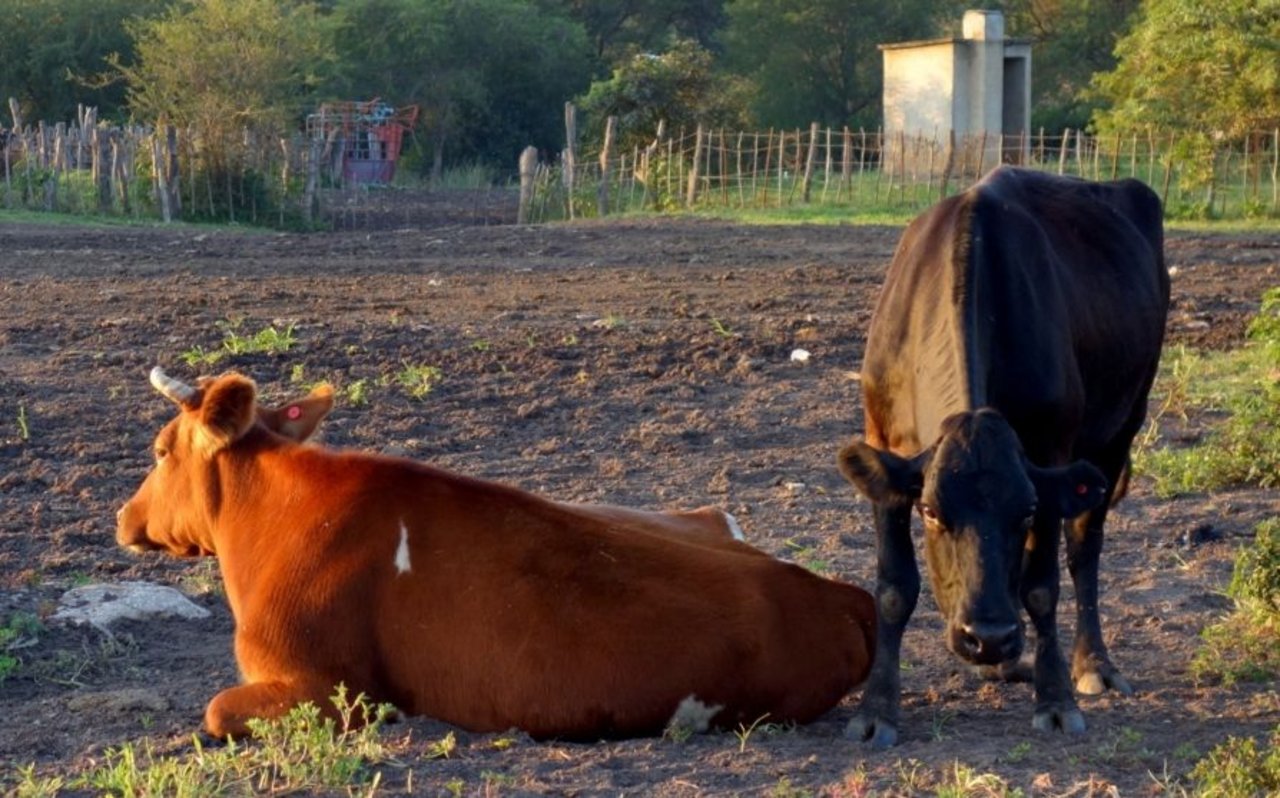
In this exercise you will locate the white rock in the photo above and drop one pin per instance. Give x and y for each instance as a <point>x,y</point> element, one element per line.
<point>799,355</point>
<point>103,605</point>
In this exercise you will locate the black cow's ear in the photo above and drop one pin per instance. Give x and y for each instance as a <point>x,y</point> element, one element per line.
<point>226,411</point>
<point>882,476</point>
<point>1069,491</point>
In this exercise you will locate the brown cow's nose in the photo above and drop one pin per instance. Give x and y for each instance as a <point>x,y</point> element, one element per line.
<point>988,643</point>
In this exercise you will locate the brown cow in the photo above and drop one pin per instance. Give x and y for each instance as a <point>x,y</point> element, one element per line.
<point>473,602</point>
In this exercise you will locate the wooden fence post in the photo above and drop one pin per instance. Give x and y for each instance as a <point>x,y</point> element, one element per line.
<point>606,152</point>
<point>569,160</point>
<point>691,191</point>
<point>528,171</point>
<point>161,180</point>
<point>808,161</point>
<point>948,164</point>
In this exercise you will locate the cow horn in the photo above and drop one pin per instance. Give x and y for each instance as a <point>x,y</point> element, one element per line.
<point>170,388</point>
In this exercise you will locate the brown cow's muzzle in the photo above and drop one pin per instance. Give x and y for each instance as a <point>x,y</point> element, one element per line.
<point>132,534</point>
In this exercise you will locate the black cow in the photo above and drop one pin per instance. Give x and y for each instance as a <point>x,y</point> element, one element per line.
<point>1006,373</point>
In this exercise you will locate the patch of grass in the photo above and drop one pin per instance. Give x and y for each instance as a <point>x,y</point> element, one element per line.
<point>1239,767</point>
<point>24,429</point>
<point>301,752</point>
<point>417,380</point>
<point>269,340</point>
<point>1245,645</point>
<point>721,329</point>
<point>807,556</point>
<point>357,392</point>
<point>21,630</point>
<point>963,781</point>
<point>1241,389</point>
<point>443,748</point>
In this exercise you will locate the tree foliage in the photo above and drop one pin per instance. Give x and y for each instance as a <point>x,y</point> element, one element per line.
<point>1072,40</point>
<point>1194,66</point>
<point>619,29</point>
<point>817,60</point>
<point>52,51</point>
<point>226,66</point>
<point>491,76</point>
<point>680,87</point>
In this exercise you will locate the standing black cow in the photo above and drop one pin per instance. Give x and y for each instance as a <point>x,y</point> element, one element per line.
<point>1006,374</point>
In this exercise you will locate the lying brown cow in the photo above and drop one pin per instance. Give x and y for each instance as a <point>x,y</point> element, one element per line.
<point>473,602</point>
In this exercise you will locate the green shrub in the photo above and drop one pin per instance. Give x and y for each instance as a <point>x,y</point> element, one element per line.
<point>1246,644</point>
<point>1238,769</point>
<point>1241,386</point>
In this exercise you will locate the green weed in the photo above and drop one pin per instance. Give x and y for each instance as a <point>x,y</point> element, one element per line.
<point>1245,645</point>
<point>443,748</point>
<point>721,329</point>
<point>1240,767</point>
<point>269,340</point>
<point>21,630</point>
<point>24,430</point>
<point>1241,389</point>
<point>357,392</point>
<point>301,752</point>
<point>417,380</point>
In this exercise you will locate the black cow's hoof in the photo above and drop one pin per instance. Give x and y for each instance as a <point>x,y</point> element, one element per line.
<point>875,732</point>
<point>1068,721</point>
<point>1097,682</point>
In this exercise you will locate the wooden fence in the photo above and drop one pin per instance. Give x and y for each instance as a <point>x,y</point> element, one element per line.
<point>869,172</point>
<point>169,173</point>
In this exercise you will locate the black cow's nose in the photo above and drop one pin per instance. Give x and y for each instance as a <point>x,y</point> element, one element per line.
<point>988,643</point>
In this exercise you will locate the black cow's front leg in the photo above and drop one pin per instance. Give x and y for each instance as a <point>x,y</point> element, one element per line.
<point>1091,667</point>
<point>1055,704</point>
<point>897,589</point>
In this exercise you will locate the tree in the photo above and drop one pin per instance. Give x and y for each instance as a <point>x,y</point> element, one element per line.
<point>621,28</point>
<point>816,60</point>
<point>679,87</point>
<point>222,67</point>
<point>54,50</point>
<point>1212,69</point>
<point>491,76</point>
<point>1074,39</point>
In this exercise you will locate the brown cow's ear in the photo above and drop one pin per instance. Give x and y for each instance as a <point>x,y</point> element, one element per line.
<point>297,420</point>
<point>882,476</point>
<point>1069,491</point>
<point>226,412</point>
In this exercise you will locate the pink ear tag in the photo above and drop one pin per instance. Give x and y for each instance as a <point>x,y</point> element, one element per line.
<point>294,413</point>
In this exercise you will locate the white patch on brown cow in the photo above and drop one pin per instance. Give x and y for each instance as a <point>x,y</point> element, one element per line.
<point>693,716</point>
<point>402,551</point>
<point>735,528</point>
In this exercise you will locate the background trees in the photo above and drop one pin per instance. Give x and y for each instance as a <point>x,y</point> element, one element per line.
<point>816,60</point>
<point>1185,64</point>
<point>224,66</point>
<point>492,76</point>
<point>54,53</point>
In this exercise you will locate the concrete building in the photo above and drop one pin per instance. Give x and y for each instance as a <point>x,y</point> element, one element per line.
<point>977,86</point>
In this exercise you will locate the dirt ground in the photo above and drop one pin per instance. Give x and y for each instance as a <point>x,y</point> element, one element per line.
<point>645,363</point>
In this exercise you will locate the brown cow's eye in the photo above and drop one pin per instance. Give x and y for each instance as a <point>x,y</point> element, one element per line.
<point>161,453</point>
<point>928,512</point>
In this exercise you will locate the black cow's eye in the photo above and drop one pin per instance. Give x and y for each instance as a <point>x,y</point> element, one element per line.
<point>1030,519</point>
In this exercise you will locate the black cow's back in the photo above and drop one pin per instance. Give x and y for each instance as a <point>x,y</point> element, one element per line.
<point>1041,296</point>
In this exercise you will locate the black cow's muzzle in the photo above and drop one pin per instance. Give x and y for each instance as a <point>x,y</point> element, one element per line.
<point>986,643</point>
